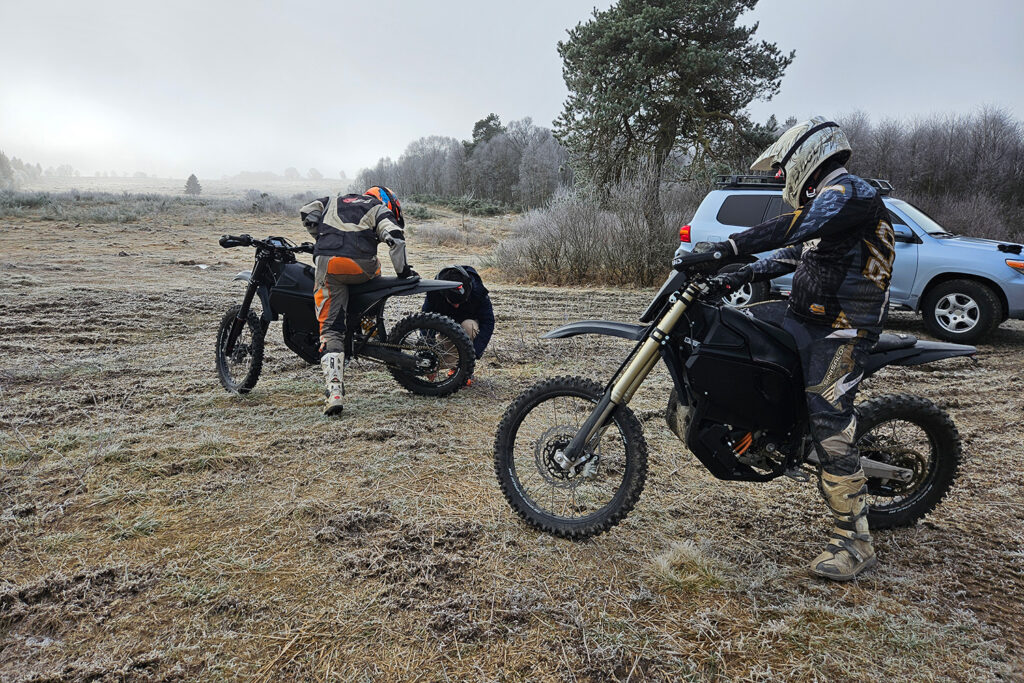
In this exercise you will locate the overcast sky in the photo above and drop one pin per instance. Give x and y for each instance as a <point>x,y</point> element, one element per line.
<point>221,87</point>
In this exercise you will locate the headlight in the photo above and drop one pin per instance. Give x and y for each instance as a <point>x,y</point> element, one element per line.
<point>1016,265</point>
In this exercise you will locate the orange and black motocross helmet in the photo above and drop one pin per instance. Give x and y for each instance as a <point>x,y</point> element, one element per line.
<point>390,200</point>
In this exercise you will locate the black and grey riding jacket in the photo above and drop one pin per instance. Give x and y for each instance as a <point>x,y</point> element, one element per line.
<point>352,225</point>
<point>841,246</point>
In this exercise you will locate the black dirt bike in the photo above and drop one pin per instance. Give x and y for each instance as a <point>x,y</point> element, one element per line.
<point>570,455</point>
<point>426,353</point>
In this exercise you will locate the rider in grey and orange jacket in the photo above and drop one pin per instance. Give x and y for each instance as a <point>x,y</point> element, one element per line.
<point>348,229</point>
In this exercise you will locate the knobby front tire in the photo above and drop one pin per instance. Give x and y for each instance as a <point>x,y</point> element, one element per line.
<point>239,373</point>
<point>520,457</point>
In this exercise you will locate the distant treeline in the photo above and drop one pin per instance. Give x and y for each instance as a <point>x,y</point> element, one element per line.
<point>965,170</point>
<point>14,172</point>
<point>518,165</point>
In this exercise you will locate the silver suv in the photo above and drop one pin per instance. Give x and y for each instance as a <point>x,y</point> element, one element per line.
<point>963,286</point>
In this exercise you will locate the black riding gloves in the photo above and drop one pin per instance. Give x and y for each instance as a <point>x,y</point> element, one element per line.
<point>728,283</point>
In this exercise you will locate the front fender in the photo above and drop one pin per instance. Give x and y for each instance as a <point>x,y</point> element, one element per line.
<point>607,328</point>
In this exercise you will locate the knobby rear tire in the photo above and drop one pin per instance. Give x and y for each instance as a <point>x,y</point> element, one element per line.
<point>635,448</point>
<point>244,384</point>
<point>445,327</point>
<point>946,452</point>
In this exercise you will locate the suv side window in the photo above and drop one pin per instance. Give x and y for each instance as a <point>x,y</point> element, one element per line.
<point>743,210</point>
<point>774,209</point>
<point>895,220</point>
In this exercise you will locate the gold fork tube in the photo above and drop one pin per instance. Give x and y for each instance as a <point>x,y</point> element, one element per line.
<point>647,357</point>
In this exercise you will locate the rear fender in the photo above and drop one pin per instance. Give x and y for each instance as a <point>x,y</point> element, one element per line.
<point>607,328</point>
<point>366,300</point>
<point>423,286</point>
<point>920,353</point>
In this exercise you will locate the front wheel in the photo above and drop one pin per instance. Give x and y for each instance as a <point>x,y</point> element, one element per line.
<point>574,501</point>
<point>911,432</point>
<point>239,370</point>
<point>441,348</point>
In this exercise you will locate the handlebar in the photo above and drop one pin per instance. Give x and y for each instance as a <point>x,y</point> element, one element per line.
<point>231,241</point>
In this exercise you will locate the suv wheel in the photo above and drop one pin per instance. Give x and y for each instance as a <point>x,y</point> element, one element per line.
<point>750,293</point>
<point>962,311</point>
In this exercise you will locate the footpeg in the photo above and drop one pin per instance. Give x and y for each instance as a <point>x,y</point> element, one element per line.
<point>798,474</point>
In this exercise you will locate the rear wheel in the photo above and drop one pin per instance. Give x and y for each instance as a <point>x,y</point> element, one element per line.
<point>914,433</point>
<point>962,311</point>
<point>571,501</point>
<point>239,370</point>
<point>440,346</point>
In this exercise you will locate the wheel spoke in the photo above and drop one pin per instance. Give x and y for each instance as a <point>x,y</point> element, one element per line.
<point>566,493</point>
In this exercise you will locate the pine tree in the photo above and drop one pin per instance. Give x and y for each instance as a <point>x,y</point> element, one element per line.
<point>647,79</point>
<point>192,185</point>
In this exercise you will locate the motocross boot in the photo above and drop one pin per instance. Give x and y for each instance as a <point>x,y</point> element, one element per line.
<point>849,551</point>
<point>333,365</point>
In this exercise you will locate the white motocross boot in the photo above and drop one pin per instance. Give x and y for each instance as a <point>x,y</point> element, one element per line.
<point>333,365</point>
<point>849,551</point>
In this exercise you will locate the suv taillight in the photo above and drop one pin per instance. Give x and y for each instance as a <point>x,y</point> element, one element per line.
<point>684,233</point>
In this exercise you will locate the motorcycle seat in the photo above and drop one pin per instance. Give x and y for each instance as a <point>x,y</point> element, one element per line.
<point>379,283</point>
<point>893,342</point>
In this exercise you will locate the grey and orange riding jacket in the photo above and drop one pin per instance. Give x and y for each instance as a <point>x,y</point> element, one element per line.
<point>353,225</point>
<point>841,246</point>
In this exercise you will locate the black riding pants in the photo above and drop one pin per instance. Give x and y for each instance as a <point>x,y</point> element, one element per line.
<point>833,366</point>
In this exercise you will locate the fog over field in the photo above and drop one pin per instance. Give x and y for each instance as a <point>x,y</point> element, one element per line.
<point>218,88</point>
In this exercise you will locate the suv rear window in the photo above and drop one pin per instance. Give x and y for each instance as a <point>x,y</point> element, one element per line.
<point>743,210</point>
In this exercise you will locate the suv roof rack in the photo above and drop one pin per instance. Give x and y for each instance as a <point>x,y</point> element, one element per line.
<point>769,182</point>
<point>884,187</point>
<point>755,182</point>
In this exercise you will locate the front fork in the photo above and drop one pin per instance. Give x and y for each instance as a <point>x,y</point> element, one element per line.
<point>623,388</point>
<point>243,313</point>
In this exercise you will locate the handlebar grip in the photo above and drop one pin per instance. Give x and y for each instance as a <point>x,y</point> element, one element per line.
<point>692,260</point>
<point>305,247</point>
<point>229,241</point>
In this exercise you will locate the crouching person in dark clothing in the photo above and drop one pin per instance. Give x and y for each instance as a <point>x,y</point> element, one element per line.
<point>470,306</point>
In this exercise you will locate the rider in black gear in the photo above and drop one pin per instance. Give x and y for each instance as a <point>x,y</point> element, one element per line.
<point>841,246</point>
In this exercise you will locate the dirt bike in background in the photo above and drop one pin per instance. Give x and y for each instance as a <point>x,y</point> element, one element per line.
<point>571,458</point>
<point>426,353</point>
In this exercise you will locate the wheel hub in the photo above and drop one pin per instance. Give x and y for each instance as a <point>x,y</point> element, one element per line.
<point>957,313</point>
<point>741,296</point>
<point>427,361</point>
<point>907,458</point>
<point>551,462</point>
<point>240,353</point>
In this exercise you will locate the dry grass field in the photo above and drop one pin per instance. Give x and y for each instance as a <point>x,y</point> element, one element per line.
<point>153,527</point>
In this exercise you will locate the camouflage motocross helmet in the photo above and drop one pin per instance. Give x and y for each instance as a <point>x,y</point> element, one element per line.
<point>800,151</point>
